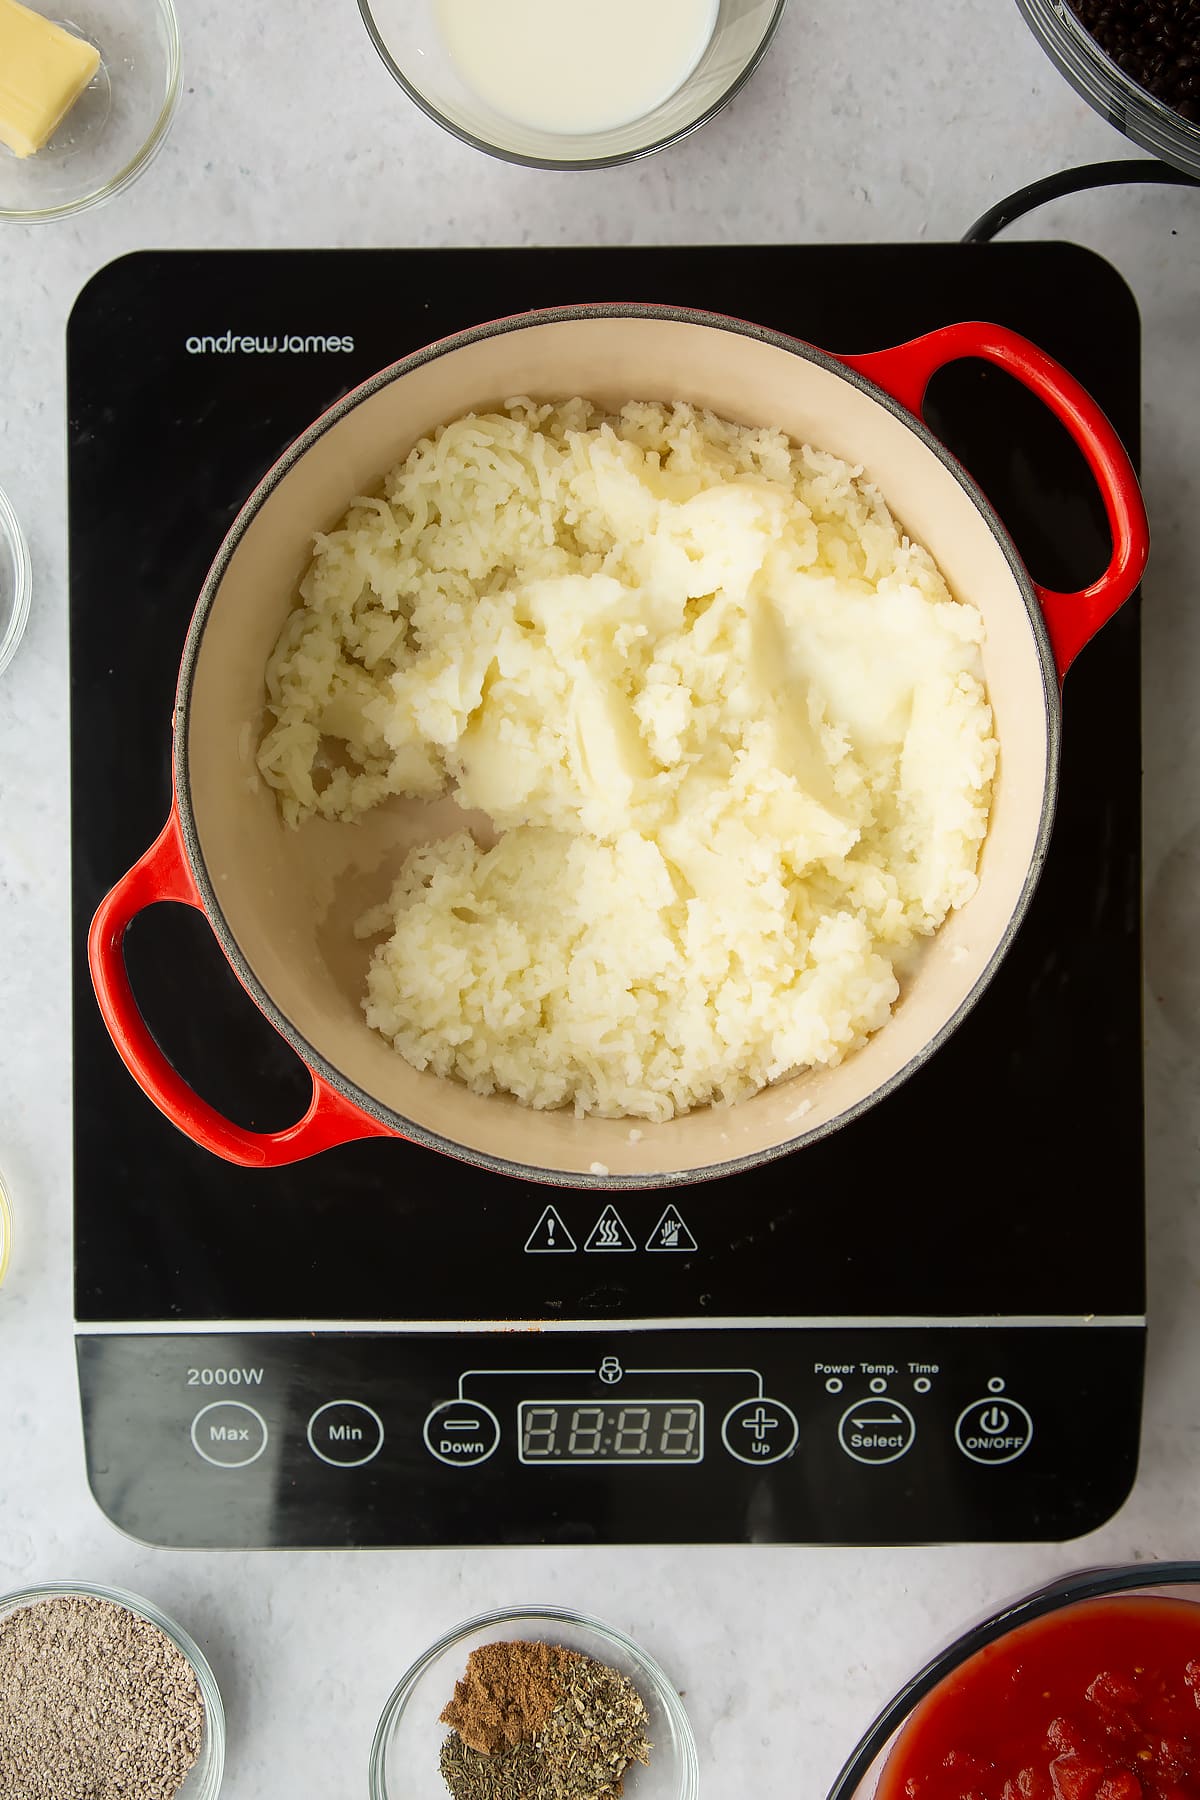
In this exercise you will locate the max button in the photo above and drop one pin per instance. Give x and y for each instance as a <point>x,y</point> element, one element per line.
<point>995,1430</point>
<point>229,1434</point>
<point>345,1433</point>
<point>461,1433</point>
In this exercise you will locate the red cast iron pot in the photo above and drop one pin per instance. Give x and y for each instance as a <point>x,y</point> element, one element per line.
<point>282,902</point>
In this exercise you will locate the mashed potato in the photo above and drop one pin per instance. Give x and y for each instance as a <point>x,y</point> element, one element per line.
<point>727,718</point>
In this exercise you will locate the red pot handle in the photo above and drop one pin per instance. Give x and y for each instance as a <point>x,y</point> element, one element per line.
<point>905,373</point>
<point>163,874</point>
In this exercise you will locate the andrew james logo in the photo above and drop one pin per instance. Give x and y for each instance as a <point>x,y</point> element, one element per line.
<point>233,343</point>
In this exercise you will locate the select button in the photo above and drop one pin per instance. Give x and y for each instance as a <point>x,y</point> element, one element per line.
<point>876,1430</point>
<point>345,1433</point>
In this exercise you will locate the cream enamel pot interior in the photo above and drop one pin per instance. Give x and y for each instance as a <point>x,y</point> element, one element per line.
<point>282,902</point>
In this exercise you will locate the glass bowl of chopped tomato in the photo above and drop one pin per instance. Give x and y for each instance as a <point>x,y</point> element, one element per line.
<point>405,1756</point>
<point>1087,1689</point>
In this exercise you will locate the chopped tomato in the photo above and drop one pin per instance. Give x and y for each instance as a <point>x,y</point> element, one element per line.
<point>1100,1701</point>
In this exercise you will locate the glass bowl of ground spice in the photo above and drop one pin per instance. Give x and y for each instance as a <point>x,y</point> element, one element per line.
<point>534,1703</point>
<point>103,1697</point>
<point>1137,62</point>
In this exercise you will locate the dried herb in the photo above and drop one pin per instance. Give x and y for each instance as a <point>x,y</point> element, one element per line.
<point>595,1730</point>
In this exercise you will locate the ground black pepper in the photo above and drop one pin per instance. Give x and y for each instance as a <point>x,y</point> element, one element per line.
<point>95,1704</point>
<point>1156,42</point>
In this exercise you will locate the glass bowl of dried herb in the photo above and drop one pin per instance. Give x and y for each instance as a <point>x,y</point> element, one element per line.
<point>534,1703</point>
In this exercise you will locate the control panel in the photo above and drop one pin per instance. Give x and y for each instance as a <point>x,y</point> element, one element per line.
<point>806,1434</point>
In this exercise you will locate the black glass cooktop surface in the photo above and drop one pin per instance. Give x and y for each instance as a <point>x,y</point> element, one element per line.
<point>978,1231</point>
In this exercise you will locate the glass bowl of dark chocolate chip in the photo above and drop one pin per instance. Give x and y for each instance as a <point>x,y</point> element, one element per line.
<point>102,1697</point>
<point>534,1703</point>
<point>1137,62</point>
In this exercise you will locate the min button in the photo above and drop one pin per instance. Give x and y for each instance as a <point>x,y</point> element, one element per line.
<point>345,1433</point>
<point>229,1434</point>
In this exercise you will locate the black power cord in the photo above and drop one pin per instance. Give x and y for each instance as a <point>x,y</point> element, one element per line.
<point>1072,181</point>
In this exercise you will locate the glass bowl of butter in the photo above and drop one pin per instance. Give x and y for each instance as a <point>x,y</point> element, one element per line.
<point>88,89</point>
<point>571,84</point>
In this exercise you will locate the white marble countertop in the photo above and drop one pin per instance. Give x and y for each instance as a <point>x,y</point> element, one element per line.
<point>859,126</point>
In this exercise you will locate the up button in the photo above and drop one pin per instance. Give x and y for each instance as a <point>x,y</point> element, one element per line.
<point>994,1430</point>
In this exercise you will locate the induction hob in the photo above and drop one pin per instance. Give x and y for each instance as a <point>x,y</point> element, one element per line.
<point>927,1326</point>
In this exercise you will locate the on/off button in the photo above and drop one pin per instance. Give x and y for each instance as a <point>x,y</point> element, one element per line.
<point>995,1430</point>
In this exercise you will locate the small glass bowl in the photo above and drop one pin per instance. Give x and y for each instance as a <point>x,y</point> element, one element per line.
<point>5,1229</point>
<point>16,581</point>
<point>203,1781</point>
<point>1170,1580</point>
<point>1105,86</point>
<point>119,123</point>
<point>406,35</point>
<point>404,1756</point>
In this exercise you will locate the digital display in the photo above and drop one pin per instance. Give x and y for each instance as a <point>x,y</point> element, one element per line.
<point>594,1431</point>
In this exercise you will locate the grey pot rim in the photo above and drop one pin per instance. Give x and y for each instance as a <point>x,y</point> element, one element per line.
<point>396,1123</point>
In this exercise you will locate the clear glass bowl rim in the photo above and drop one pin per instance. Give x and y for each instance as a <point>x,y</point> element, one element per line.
<point>572,162</point>
<point>142,157</point>
<point>553,1615</point>
<point>1064,1590</point>
<point>214,1710</point>
<point>10,531</point>
<point>1103,83</point>
<point>5,1203</point>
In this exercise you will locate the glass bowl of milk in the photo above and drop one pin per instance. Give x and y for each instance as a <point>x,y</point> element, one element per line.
<point>571,84</point>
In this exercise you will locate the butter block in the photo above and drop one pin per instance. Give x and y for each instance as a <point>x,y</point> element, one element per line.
<point>43,71</point>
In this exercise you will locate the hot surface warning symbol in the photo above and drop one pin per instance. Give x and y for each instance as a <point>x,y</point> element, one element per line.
<point>549,1235</point>
<point>670,1233</point>
<point>610,1232</point>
